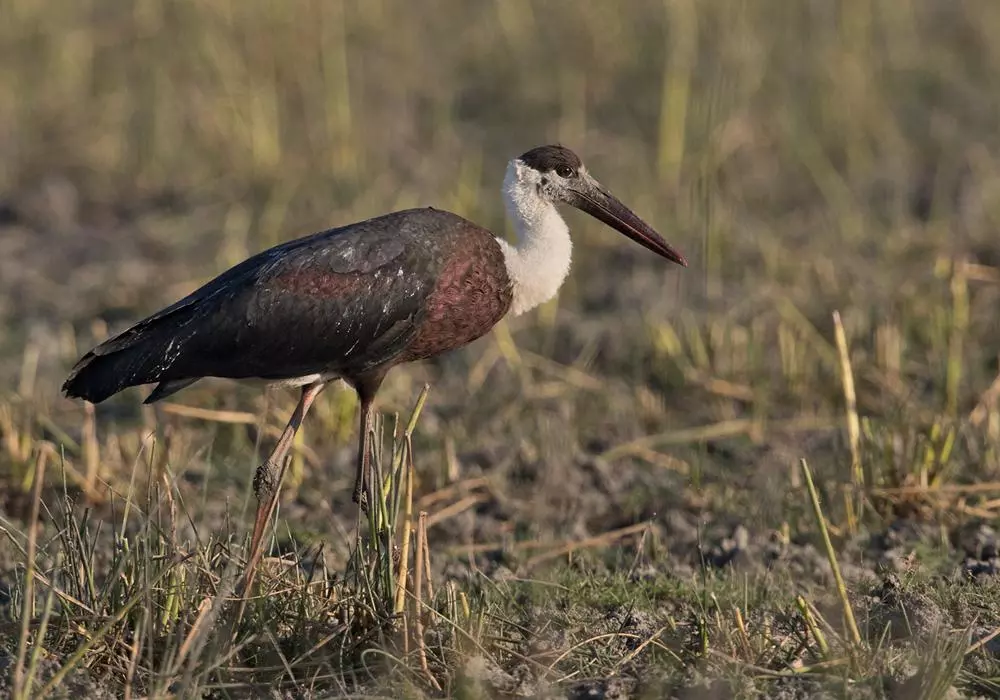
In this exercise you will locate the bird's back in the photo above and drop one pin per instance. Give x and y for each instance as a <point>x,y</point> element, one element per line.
<point>340,301</point>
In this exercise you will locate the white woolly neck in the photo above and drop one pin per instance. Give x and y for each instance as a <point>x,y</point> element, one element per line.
<point>539,261</point>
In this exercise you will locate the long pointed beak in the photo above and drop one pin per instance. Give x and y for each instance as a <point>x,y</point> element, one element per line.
<point>592,198</point>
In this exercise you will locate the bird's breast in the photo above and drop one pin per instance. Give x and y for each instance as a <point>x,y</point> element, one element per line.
<point>471,294</point>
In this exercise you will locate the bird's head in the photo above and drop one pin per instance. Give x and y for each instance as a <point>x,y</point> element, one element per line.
<point>555,175</point>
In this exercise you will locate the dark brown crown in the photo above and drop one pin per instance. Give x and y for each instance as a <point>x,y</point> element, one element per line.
<point>545,159</point>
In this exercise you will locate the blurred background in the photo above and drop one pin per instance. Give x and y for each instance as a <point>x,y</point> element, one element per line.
<point>808,157</point>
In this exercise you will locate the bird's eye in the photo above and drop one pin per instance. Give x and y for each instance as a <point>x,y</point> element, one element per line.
<point>564,171</point>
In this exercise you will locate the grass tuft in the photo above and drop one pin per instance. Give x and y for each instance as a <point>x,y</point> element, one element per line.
<point>603,498</point>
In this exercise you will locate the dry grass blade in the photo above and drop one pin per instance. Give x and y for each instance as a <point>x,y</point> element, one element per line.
<point>980,273</point>
<point>133,660</point>
<point>207,414</point>
<point>23,685</point>
<point>586,642</point>
<point>601,540</point>
<point>421,571</point>
<point>424,540</point>
<point>407,536</point>
<point>983,641</point>
<point>942,489</point>
<point>725,429</point>
<point>956,338</point>
<point>851,406</point>
<point>651,639</point>
<point>807,614</point>
<point>452,490</point>
<point>204,608</point>
<point>721,387</point>
<point>63,595</point>
<point>40,632</point>
<point>456,508</point>
<point>831,554</point>
<point>987,401</point>
<point>832,157</point>
<point>74,659</point>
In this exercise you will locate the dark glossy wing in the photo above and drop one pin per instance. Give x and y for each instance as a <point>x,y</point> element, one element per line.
<point>337,302</point>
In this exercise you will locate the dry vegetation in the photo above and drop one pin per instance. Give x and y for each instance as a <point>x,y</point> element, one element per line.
<point>607,498</point>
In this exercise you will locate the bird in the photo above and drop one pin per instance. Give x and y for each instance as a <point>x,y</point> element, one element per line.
<point>352,302</point>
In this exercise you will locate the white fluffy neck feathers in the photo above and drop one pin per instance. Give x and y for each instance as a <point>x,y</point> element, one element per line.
<point>539,262</point>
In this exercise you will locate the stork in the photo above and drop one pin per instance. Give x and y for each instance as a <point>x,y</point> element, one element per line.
<point>352,302</point>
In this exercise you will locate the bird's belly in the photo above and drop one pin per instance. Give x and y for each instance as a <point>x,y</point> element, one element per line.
<point>304,380</point>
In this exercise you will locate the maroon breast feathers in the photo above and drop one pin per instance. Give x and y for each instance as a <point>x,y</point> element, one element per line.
<point>473,292</point>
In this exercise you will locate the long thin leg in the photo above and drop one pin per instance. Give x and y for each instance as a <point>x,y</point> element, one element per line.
<point>366,386</point>
<point>362,477</point>
<point>270,474</point>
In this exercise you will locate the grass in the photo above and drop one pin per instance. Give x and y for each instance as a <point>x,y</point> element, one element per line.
<point>606,498</point>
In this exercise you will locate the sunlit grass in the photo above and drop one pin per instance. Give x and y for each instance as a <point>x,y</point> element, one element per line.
<point>830,170</point>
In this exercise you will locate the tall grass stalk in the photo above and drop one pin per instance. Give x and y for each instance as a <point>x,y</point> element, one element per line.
<point>22,684</point>
<point>831,555</point>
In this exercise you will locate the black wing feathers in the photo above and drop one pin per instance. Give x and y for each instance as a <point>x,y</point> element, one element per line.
<point>339,301</point>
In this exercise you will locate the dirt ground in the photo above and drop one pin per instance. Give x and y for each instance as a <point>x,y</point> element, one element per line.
<point>613,483</point>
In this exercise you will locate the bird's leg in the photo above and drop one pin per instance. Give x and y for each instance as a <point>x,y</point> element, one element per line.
<point>362,478</point>
<point>267,481</point>
<point>367,386</point>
